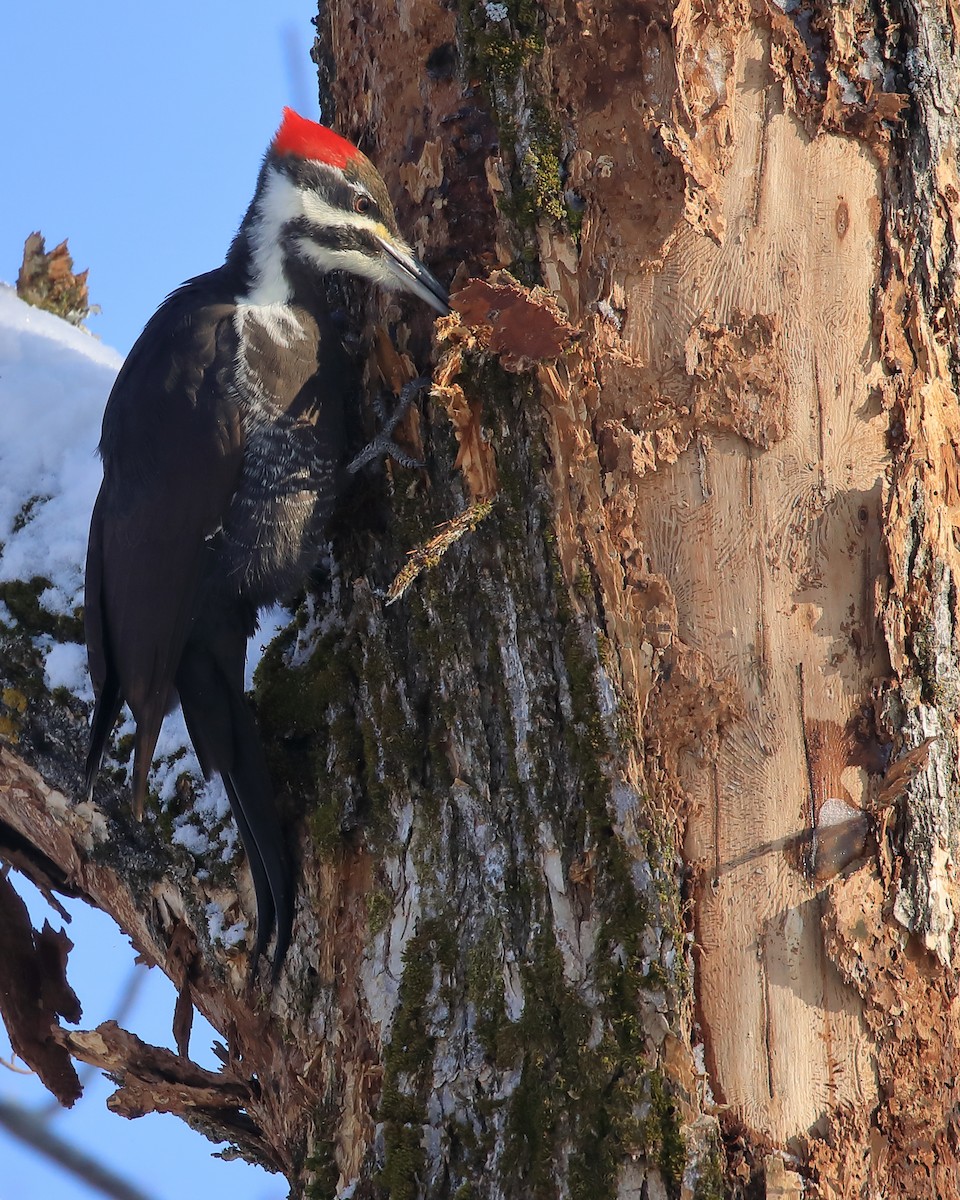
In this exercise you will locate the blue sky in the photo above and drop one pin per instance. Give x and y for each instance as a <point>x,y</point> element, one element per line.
<point>136,132</point>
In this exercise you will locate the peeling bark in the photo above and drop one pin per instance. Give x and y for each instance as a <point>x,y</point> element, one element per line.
<point>34,993</point>
<point>620,743</point>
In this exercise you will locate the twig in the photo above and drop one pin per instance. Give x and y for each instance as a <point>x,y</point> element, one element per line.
<point>12,1066</point>
<point>26,1127</point>
<point>422,558</point>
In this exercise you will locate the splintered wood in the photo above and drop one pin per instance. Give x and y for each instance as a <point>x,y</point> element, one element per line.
<point>737,400</point>
<point>766,529</point>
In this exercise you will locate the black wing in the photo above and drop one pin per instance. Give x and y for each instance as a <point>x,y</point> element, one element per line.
<point>172,450</point>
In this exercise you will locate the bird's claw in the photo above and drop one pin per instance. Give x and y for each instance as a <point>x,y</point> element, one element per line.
<point>383,445</point>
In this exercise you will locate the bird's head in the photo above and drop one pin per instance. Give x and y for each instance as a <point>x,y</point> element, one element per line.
<point>321,201</point>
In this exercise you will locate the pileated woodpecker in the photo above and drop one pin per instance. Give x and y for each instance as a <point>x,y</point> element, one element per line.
<point>223,448</point>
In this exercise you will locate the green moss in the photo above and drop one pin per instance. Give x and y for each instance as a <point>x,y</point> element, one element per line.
<point>499,53</point>
<point>667,1135</point>
<point>14,699</point>
<point>537,194</point>
<point>336,726</point>
<point>635,1112</point>
<point>27,510</point>
<point>503,56</point>
<point>711,1180</point>
<point>123,747</point>
<point>604,1100</point>
<point>619,1088</point>
<point>389,746</point>
<point>409,1057</point>
<point>404,1163</point>
<point>296,699</point>
<point>13,708</point>
<point>22,598</point>
<point>922,644</point>
<point>22,674</point>
<point>322,1167</point>
<point>485,990</point>
<point>498,50</point>
<point>576,209</point>
<point>326,828</point>
<point>550,1042</point>
<point>924,641</point>
<point>586,736</point>
<point>605,654</point>
<point>313,742</point>
<point>436,628</point>
<point>379,908</point>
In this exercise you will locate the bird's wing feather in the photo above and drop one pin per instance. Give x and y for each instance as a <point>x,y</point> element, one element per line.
<point>172,447</point>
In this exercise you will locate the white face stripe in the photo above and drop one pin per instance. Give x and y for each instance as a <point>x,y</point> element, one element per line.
<point>281,202</point>
<point>325,216</point>
<point>354,261</point>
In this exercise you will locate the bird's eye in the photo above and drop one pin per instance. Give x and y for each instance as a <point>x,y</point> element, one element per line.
<point>361,204</point>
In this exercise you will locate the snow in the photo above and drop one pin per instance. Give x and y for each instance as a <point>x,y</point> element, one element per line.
<point>54,383</point>
<point>269,624</point>
<point>187,835</point>
<point>220,931</point>
<point>65,666</point>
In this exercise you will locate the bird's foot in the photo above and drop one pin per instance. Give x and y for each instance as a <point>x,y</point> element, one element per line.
<point>383,445</point>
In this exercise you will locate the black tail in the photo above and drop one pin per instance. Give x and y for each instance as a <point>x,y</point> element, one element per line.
<point>105,714</point>
<point>224,734</point>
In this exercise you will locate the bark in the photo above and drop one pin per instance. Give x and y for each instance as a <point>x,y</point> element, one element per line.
<point>626,805</point>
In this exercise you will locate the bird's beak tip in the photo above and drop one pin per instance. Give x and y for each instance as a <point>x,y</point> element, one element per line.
<point>414,277</point>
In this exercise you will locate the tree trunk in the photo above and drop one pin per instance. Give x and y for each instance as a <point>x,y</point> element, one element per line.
<point>628,829</point>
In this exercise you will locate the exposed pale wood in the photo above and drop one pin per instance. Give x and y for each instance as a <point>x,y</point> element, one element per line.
<point>744,445</point>
<point>773,554</point>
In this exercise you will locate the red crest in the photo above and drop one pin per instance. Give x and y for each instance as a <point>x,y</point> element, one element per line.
<point>307,139</point>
